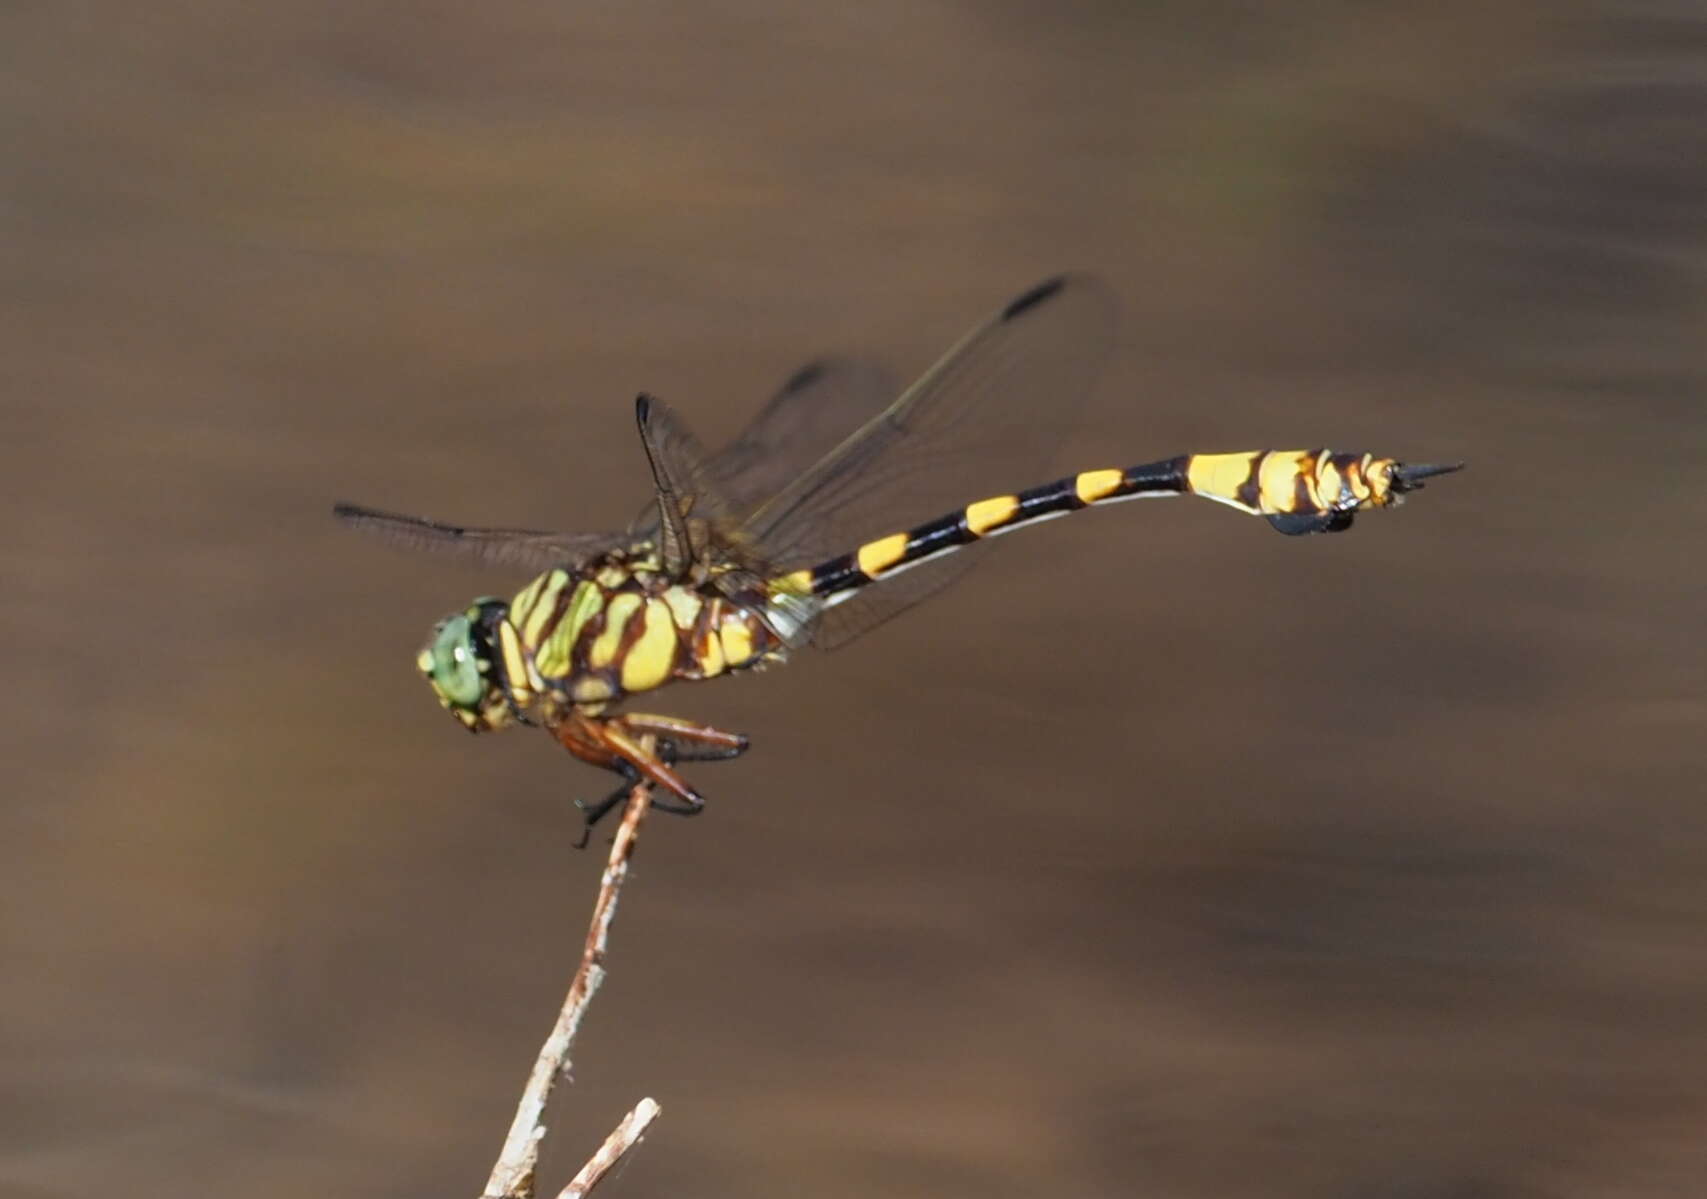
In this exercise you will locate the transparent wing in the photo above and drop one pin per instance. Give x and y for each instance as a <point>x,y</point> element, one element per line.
<point>987,418</point>
<point>690,518</point>
<point>820,406</point>
<point>529,548</point>
<point>825,465</point>
<point>701,500</point>
<point>816,409</point>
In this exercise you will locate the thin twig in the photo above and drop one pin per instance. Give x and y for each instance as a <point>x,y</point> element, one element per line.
<point>623,1138</point>
<point>513,1174</point>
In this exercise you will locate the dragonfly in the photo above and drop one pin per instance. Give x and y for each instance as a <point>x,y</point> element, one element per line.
<point>798,534</point>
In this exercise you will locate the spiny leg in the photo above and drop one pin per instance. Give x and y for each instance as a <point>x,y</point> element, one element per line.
<point>684,741</point>
<point>605,742</point>
<point>596,812</point>
<point>632,777</point>
<point>672,752</point>
<point>687,801</point>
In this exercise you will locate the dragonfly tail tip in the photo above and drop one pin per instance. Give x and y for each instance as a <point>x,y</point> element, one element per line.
<point>1410,478</point>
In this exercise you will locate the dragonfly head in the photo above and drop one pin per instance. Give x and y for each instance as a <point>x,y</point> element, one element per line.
<point>458,665</point>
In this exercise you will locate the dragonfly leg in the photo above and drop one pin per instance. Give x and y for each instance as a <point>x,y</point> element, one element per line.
<point>596,812</point>
<point>672,751</point>
<point>605,742</point>
<point>684,741</point>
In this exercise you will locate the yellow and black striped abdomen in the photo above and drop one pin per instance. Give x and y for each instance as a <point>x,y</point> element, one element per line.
<point>1311,491</point>
<point>1299,491</point>
<point>590,640</point>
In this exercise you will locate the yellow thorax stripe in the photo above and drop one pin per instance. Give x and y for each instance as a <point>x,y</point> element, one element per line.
<point>618,613</point>
<point>524,680</point>
<point>651,657</point>
<point>554,657</point>
<point>524,599</point>
<point>544,604</point>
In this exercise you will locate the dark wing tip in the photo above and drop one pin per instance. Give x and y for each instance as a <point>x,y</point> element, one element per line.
<point>643,406</point>
<point>805,377</point>
<point>1031,299</point>
<point>358,515</point>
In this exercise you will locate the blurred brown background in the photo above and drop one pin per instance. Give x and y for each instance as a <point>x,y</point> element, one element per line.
<point>1167,857</point>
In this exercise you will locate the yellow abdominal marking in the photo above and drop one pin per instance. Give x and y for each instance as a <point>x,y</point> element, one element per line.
<point>1357,481</point>
<point>1331,483</point>
<point>992,513</point>
<point>1219,476</point>
<point>1377,475</point>
<point>1277,481</point>
<point>649,660</point>
<point>875,557</point>
<point>1094,485</point>
<point>795,582</point>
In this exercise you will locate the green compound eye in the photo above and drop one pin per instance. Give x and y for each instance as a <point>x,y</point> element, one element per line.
<point>454,671</point>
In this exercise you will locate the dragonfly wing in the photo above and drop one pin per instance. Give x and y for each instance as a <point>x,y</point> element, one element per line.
<point>987,418</point>
<point>880,601</point>
<point>820,406</point>
<point>529,548</point>
<point>689,511</point>
<point>817,408</point>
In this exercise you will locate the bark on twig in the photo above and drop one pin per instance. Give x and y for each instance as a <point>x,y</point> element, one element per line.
<point>513,1175</point>
<point>621,1140</point>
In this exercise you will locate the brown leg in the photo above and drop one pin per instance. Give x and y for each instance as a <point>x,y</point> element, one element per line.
<point>604,742</point>
<point>580,736</point>
<point>653,770</point>
<point>706,743</point>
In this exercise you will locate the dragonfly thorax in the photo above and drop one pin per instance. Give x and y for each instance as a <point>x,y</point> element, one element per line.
<point>584,639</point>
